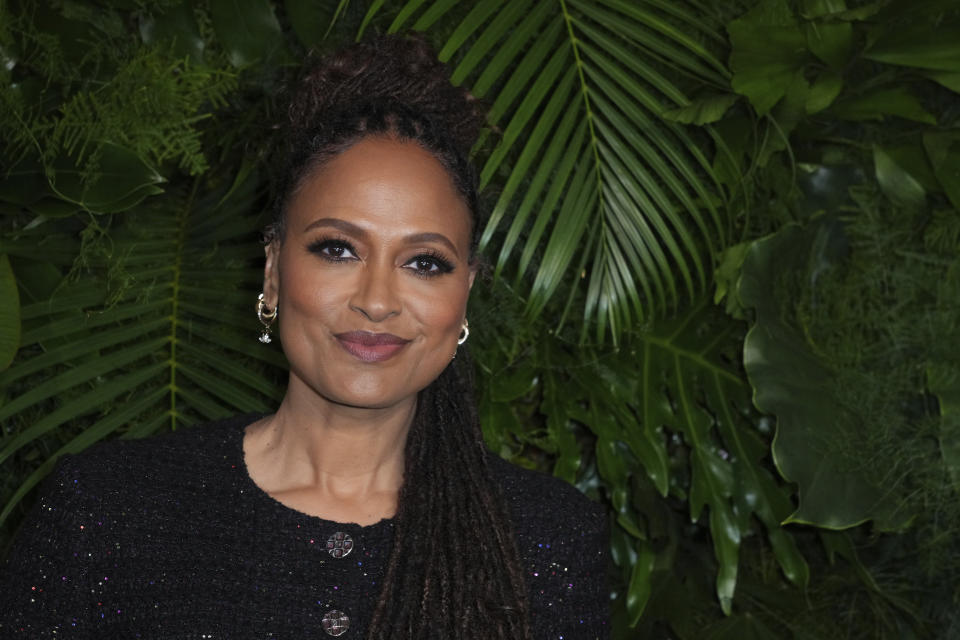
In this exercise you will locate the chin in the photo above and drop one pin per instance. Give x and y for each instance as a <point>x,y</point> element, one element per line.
<point>369,394</point>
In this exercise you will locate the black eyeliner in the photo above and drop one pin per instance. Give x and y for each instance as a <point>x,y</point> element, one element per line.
<point>444,266</point>
<point>317,246</point>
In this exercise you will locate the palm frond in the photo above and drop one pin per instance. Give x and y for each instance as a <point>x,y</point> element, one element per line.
<point>130,342</point>
<point>577,88</point>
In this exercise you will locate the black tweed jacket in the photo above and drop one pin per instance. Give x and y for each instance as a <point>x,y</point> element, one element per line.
<point>170,538</point>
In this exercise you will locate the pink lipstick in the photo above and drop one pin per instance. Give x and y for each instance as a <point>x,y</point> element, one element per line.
<point>370,347</point>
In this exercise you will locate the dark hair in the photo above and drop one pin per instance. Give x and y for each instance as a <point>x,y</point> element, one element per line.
<point>391,86</point>
<point>455,570</point>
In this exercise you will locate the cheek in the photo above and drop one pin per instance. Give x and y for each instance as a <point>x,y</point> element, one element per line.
<point>305,292</point>
<point>443,312</point>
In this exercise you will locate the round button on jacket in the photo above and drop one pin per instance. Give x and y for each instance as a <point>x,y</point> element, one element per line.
<point>339,544</point>
<point>335,623</point>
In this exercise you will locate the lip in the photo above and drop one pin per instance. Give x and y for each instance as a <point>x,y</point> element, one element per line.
<point>371,347</point>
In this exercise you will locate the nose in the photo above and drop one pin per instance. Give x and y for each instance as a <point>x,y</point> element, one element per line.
<point>375,296</point>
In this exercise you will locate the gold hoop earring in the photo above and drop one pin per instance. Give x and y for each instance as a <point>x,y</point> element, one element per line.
<point>266,316</point>
<point>464,333</point>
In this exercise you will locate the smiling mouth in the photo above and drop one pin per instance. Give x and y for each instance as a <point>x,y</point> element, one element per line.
<point>370,347</point>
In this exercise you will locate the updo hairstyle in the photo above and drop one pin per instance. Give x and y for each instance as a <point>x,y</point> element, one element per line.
<point>391,86</point>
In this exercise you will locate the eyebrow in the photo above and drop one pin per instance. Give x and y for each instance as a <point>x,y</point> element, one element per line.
<point>354,230</point>
<point>336,223</point>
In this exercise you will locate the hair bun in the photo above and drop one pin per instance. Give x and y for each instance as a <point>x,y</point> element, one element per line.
<point>389,70</point>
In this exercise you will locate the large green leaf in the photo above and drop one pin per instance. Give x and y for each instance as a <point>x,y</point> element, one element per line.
<point>665,386</point>
<point>928,46</point>
<point>899,185</point>
<point>769,49</point>
<point>793,384</point>
<point>249,30</point>
<point>875,105</point>
<point>9,313</point>
<point>831,41</point>
<point>312,19</point>
<point>949,79</point>
<point>943,151</point>
<point>595,181</point>
<point>157,331</point>
<point>727,475</point>
<point>703,110</point>
<point>176,28</point>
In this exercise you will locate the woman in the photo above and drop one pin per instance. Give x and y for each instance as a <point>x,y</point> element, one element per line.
<point>366,506</point>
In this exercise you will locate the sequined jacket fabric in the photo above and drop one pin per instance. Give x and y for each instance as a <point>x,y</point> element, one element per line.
<point>170,538</point>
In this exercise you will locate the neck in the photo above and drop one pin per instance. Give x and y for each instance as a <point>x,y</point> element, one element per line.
<point>335,461</point>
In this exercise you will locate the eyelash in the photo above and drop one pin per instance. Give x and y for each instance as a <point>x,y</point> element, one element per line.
<point>320,245</point>
<point>443,266</point>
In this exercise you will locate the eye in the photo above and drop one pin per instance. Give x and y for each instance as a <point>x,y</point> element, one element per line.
<point>429,265</point>
<point>333,249</point>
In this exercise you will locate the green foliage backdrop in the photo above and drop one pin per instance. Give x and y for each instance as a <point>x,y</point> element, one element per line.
<point>724,241</point>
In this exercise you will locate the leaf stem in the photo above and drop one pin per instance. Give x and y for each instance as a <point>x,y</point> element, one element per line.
<point>175,299</point>
<point>594,144</point>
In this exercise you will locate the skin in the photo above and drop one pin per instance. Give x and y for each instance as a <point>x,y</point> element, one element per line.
<point>377,240</point>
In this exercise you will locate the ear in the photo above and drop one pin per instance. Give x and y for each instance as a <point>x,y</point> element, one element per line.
<point>473,276</point>
<point>271,274</point>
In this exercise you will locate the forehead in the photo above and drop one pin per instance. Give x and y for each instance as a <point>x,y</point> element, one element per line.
<point>383,184</point>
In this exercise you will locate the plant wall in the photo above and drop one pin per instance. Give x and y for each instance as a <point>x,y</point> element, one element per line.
<point>724,271</point>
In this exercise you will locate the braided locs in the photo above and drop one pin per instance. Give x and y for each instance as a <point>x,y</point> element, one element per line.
<point>454,571</point>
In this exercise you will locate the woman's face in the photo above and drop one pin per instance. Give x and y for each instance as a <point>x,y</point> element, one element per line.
<point>372,275</point>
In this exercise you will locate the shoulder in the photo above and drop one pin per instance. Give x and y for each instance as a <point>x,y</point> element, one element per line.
<point>196,443</point>
<point>539,502</point>
<point>561,537</point>
<point>123,470</point>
